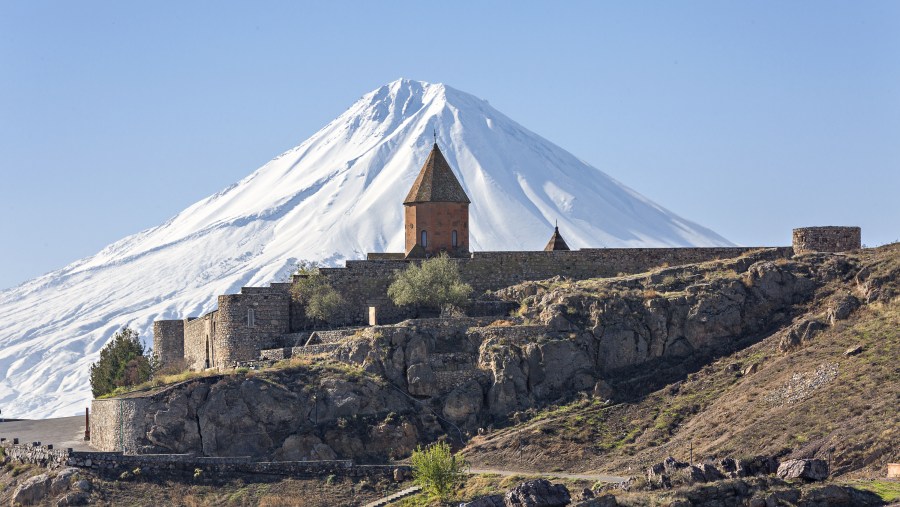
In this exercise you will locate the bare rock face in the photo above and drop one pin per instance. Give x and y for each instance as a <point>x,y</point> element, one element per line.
<point>486,501</point>
<point>33,491</point>
<point>464,402</point>
<point>806,469</point>
<point>304,448</point>
<point>537,493</point>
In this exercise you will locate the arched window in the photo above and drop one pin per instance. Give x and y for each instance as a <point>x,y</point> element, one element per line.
<point>251,317</point>
<point>453,239</point>
<point>424,239</point>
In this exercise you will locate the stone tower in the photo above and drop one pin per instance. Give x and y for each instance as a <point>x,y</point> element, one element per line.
<point>436,211</point>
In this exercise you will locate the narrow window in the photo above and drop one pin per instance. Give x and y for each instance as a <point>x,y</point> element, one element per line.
<point>251,318</point>
<point>424,239</point>
<point>453,238</point>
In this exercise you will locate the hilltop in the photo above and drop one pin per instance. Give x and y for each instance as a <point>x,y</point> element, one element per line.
<point>822,382</point>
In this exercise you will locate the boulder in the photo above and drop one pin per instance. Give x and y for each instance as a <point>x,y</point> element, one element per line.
<point>537,493</point>
<point>60,483</point>
<point>711,473</point>
<point>852,351</point>
<point>73,498</point>
<point>421,380</point>
<point>463,402</point>
<point>842,308</point>
<point>600,501</point>
<point>806,469</point>
<point>486,501</point>
<point>33,491</point>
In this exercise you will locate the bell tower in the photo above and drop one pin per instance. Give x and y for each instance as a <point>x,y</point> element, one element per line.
<point>436,211</point>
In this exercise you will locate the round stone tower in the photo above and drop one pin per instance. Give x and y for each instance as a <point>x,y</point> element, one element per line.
<point>826,239</point>
<point>168,341</point>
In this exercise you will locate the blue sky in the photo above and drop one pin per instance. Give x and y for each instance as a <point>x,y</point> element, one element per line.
<point>750,118</point>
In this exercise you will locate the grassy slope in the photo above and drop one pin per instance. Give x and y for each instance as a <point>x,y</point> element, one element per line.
<point>722,412</point>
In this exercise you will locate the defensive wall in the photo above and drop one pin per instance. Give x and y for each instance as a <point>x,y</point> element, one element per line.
<point>47,456</point>
<point>261,318</point>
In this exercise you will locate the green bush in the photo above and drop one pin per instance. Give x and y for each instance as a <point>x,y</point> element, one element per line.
<point>123,363</point>
<point>433,284</point>
<point>312,290</point>
<point>437,470</point>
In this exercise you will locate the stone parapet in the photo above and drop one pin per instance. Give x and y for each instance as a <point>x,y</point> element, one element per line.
<point>826,239</point>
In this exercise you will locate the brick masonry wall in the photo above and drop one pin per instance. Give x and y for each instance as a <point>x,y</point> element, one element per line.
<point>438,219</point>
<point>117,424</point>
<point>827,239</point>
<point>168,340</point>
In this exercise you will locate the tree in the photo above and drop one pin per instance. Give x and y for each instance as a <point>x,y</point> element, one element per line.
<point>433,284</point>
<point>437,470</point>
<point>312,290</point>
<point>123,363</point>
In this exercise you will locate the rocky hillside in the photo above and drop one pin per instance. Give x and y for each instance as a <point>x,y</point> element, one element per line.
<point>805,362</point>
<point>735,357</point>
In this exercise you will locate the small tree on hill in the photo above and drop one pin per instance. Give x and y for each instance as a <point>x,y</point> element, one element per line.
<point>433,284</point>
<point>437,470</point>
<point>312,290</point>
<point>123,363</point>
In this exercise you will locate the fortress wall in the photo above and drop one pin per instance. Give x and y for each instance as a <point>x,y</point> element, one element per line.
<point>168,340</point>
<point>235,339</point>
<point>117,424</point>
<point>362,283</point>
<point>495,270</point>
<point>198,339</point>
<point>827,239</point>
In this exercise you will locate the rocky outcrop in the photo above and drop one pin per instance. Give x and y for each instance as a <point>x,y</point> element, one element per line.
<point>40,489</point>
<point>537,493</point>
<point>805,469</point>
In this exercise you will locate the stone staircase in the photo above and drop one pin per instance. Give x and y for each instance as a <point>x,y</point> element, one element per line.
<point>393,498</point>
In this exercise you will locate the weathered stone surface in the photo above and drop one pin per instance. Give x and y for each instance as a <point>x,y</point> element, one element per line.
<point>537,493</point>
<point>421,380</point>
<point>33,491</point>
<point>61,482</point>
<point>600,501</point>
<point>852,351</point>
<point>486,501</point>
<point>74,498</point>
<point>464,402</point>
<point>806,469</point>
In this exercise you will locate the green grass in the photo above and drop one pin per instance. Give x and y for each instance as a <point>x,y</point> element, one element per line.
<point>889,491</point>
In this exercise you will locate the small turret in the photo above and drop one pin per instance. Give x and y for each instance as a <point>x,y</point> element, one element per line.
<point>556,242</point>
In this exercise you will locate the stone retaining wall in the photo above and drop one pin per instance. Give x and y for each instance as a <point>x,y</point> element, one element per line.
<point>48,457</point>
<point>826,239</point>
<point>116,423</point>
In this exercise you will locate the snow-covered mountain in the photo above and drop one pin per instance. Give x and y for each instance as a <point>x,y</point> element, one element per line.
<point>336,196</point>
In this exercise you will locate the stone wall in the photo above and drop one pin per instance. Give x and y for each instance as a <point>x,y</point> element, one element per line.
<point>48,457</point>
<point>117,424</point>
<point>168,341</point>
<point>200,349</point>
<point>827,239</point>
<point>239,339</point>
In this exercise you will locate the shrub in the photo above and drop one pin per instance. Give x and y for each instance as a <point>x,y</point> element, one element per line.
<point>433,284</point>
<point>312,290</point>
<point>437,470</point>
<point>123,363</point>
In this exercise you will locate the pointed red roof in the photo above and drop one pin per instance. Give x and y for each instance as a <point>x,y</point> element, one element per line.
<point>436,182</point>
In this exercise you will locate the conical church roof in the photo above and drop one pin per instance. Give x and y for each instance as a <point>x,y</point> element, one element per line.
<point>556,242</point>
<point>436,182</point>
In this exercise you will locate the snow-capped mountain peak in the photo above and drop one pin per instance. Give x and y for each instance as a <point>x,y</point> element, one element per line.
<point>335,196</point>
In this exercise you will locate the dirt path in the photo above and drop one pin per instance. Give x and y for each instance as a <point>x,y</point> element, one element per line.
<point>561,475</point>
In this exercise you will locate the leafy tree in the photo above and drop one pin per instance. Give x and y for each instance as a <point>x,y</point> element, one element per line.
<point>437,470</point>
<point>312,290</point>
<point>433,284</point>
<point>123,363</point>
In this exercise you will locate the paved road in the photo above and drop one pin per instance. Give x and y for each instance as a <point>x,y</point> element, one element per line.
<point>561,475</point>
<point>62,432</point>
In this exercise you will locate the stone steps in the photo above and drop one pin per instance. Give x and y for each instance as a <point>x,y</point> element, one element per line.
<point>393,498</point>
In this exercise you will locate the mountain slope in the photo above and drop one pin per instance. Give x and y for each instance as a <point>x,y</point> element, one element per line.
<point>336,196</point>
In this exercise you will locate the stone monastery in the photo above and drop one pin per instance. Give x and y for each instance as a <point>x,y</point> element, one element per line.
<point>266,322</point>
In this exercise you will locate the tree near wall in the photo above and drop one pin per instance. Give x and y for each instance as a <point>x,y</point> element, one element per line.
<point>435,283</point>
<point>311,289</point>
<point>437,470</point>
<point>123,363</point>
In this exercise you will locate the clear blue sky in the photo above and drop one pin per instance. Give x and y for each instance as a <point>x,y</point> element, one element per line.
<point>748,117</point>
